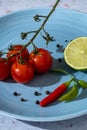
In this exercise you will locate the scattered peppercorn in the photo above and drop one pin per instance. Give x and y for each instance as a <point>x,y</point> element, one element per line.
<point>16,94</point>
<point>47,92</point>
<point>23,100</point>
<point>66,40</point>
<point>59,59</point>
<point>36,93</point>
<point>37,102</point>
<point>58,45</point>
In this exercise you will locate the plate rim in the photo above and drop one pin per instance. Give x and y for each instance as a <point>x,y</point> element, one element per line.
<point>43,119</point>
<point>42,8</point>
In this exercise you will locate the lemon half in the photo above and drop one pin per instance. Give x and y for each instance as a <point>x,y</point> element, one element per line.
<point>75,54</point>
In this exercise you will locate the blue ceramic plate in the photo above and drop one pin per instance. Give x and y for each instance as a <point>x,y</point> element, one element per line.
<point>64,25</point>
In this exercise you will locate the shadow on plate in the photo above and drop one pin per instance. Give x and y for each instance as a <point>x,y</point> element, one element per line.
<point>49,78</point>
<point>82,95</point>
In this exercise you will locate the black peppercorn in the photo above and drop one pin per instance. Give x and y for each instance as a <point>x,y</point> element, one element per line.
<point>37,102</point>
<point>66,40</point>
<point>59,59</point>
<point>36,93</point>
<point>58,45</point>
<point>47,92</point>
<point>23,100</point>
<point>16,94</point>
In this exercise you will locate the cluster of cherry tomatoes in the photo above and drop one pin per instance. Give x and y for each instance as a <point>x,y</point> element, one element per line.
<point>23,66</point>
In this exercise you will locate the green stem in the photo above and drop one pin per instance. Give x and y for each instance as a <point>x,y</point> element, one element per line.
<point>61,71</point>
<point>44,22</point>
<point>42,16</point>
<point>40,28</point>
<point>54,70</point>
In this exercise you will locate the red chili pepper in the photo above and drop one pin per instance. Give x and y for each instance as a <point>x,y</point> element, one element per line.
<point>55,94</point>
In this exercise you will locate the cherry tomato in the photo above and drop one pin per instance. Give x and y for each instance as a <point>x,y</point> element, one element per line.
<point>14,49</point>
<point>22,72</point>
<point>41,59</point>
<point>5,66</point>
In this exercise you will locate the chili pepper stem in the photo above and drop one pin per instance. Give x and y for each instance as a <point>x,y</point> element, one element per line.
<point>73,78</point>
<point>61,71</point>
<point>54,70</point>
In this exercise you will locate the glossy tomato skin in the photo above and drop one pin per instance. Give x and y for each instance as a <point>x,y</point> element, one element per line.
<point>22,73</point>
<point>5,67</point>
<point>15,49</point>
<point>42,60</point>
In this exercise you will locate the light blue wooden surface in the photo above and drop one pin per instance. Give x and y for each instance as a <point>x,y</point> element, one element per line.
<point>7,123</point>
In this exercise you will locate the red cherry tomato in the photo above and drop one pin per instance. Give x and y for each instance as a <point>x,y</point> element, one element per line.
<point>41,59</point>
<point>22,72</point>
<point>5,66</point>
<point>14,49</point>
